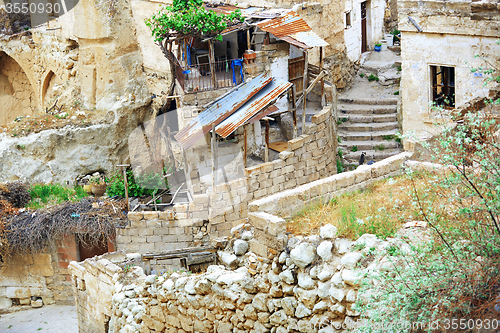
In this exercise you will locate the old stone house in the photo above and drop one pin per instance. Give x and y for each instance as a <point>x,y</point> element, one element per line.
<point>445,52</point>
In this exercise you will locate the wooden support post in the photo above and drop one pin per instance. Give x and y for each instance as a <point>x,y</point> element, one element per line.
<point>322,79</point>
<point>185,53</point>
<point>211,56</point>
<point>245,145</point>
<point>249,45</point>
<point>267,141</point>
<point>294,112</point>
<point>214,147</point>
<point>304,95</point>
<point>124,166</point>
<point>187,173</point>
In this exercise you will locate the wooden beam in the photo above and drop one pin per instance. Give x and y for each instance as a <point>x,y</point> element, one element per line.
<point>266,154</point>
<point>186,250</point>
<point>245,145</point>
<point>304,94</point>
<point>187,173</point>
<point>249,45</point>
<point>294,112</point>
<point>125,166</point>
<point>214,156</point>
<point>322,79</point>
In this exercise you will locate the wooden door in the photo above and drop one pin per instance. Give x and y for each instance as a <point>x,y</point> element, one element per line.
<point>364,44</point>
<point>296,73</point>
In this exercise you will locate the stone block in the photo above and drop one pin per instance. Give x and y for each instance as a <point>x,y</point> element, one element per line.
<point>150,215</point>
<point>269,223</point>
<point>135,216</point>
<point>295,143</point>
<point>258,249</point>
<point>41,270</point>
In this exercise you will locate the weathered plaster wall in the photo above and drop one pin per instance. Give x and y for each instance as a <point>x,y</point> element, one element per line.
<point>43,275</point>
<point>450,37</point>
<point>375,26</point>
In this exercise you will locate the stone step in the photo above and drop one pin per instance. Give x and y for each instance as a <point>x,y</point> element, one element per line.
<point>366,136</point>
<point>375,155</point>
<point>366,109</point>
<point>365,127</point>
<point>375,118</point>
<point>369,101</point>
<point>347,146</point>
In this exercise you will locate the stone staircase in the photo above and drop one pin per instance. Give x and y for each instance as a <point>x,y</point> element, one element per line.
<point>368,125</point>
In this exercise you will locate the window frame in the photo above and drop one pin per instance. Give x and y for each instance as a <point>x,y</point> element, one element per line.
<point>444,86</point>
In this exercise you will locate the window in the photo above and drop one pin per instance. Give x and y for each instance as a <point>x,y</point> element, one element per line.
<point>443,86</point>
<point>348,19</point>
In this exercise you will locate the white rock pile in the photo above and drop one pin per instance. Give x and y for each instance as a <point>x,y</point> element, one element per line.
<point>309,287</point>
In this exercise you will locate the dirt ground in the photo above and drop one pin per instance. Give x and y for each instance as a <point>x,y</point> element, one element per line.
<point>48,318</point>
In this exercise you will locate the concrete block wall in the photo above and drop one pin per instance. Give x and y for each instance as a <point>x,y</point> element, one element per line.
<point>309,157</point>
<point>184,226</point>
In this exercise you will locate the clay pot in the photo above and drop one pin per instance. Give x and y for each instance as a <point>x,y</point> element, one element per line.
<point>88,188</point>
<point>98,190</point>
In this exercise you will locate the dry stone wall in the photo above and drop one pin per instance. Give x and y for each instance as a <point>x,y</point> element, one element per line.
<point>310,286</point>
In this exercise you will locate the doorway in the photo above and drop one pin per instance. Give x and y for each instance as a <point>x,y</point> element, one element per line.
<point>364,44</point>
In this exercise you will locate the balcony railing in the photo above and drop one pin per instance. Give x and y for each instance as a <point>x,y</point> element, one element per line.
<point>210,76</point>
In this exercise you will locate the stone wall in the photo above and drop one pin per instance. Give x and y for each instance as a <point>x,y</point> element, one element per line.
<point>311,285</point>
<point>93,288</point>
<point>24,277</point>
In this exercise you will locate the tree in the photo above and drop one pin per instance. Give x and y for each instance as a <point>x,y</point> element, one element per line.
<point>187,18</point>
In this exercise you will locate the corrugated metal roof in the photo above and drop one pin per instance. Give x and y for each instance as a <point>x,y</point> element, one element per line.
<point>261,100</point>
<point>260,115</point>
<point>219,111</point>
<point>292,29</point>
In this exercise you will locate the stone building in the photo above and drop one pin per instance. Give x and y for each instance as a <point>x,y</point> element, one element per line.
<point>446,51</point>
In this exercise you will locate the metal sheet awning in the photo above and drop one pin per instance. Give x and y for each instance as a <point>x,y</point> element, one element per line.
<point>265,97</point>
<point>220,110</point>
<point>294,30</point>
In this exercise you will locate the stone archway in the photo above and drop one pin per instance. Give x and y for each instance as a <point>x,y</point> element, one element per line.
<point>50,89</point>
<point>17,97</point>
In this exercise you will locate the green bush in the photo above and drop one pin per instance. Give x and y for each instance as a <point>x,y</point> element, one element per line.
<point>373,77</point>
<point>148,184</point>
<point>455,274</point>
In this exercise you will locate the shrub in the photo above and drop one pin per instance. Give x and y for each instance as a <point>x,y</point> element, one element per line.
<point>455,274</point>
<point>149,184</point>
<point>354,148</point>
<point>373,77</point>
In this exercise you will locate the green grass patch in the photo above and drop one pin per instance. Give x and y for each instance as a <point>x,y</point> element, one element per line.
<point>381,209</point>
<point>354,148</point>
<point>43,195</point>
<point>373,77</point>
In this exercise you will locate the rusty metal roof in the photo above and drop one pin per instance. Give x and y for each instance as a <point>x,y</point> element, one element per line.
<point>260,101</point>
<point>220,110</point>
<point>292,29</point>
<point>260,115</point>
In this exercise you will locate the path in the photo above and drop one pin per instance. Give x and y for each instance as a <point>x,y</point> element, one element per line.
<point>48,318</point>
